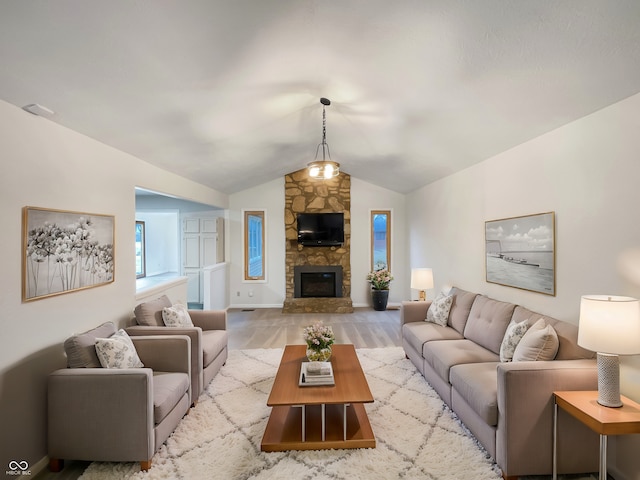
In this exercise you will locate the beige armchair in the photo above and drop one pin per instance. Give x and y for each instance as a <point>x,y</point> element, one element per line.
<point>208,338</point>
<point>117,414</point>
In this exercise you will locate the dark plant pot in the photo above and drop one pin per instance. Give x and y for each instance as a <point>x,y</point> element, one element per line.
<point>380,299</point>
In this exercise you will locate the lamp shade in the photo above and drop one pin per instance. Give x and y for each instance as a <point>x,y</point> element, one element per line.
<point>609,324</point>
<point>421,278</point>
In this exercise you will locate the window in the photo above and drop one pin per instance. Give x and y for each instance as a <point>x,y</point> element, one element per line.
<point>141,270</point>
<point>380,239</point>
<point>254,242</point>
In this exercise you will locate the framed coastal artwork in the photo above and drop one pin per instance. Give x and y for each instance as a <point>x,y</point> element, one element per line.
<point>65,251</point>
<point>520,252</point>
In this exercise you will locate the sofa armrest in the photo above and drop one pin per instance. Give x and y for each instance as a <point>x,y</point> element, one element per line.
<point>164,353</point>
<point>89,403</point>
<point>525,417</point>
<point>414,311</point>
<point>209,319</point>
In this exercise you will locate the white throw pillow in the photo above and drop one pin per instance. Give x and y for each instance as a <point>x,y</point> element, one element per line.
<point>539,343</point>
<point>513,335</point>
<point>438,312</point>
<point>117,351</point>
<point>176,316</point>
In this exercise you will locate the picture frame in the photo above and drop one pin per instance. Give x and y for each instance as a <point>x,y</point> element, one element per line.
<point>520,252</point>
<point>65,251</point>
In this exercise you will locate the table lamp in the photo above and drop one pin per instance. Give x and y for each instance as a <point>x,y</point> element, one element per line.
<point>610,326</point>
<point>422,279</point>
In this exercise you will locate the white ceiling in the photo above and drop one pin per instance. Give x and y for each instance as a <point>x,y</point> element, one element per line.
<point>227,92</point>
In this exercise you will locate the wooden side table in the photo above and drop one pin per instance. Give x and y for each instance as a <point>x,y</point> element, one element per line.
<point>603,420</point>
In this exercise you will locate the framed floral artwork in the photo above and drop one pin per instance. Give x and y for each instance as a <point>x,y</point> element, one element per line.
<point>520,252</point>
<point>65,251</point>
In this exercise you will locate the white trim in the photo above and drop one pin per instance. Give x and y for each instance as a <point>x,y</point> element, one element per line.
<point>264,245</point>
<point>389,232</point>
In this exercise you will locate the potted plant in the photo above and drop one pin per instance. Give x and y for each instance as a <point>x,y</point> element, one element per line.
<point>380,280</point>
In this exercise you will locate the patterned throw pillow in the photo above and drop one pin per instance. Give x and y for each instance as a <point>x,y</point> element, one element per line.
<point>176,316</point>
<point>117,351</point>
<point>438,312</point>
<point>513,335</point>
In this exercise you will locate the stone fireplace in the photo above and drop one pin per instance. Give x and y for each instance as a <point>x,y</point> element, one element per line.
<point>328,283</point>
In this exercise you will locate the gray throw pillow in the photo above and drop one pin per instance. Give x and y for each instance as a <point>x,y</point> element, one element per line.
<point>150,313</point>
<point>81,348</point>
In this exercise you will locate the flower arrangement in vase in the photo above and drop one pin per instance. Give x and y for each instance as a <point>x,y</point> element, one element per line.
<point>319,339</point>
<point>380,280</point>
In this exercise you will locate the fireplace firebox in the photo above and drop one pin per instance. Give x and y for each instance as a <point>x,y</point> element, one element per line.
<point>312,281</point>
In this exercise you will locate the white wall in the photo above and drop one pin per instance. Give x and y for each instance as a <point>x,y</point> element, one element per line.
<point>46,165</point>
<point>271,292</point>
<point>364,198</point>
<point>588,172</point>
<point>270,197</point>
<point>162,241</point>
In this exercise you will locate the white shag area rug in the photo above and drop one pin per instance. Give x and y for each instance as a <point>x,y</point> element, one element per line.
<point>417,435</point>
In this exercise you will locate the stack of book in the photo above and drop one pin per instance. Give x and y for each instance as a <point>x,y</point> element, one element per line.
<point>316,373</point>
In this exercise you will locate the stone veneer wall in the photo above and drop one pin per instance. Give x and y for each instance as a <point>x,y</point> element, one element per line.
<point>303,194</point>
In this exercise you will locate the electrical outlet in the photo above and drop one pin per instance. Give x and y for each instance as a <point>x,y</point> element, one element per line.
<point>251,293</point>
<point>238,293</point>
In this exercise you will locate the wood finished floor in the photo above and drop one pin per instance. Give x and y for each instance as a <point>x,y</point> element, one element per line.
<point>270,328</point>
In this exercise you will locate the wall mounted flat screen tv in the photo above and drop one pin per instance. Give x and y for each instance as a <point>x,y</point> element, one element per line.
<point>321,229</point>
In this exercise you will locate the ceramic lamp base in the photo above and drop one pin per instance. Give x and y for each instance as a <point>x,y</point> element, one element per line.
<point>609,380</point>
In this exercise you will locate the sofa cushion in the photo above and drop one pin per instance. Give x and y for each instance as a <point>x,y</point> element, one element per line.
<point>176,316</point>
<point>538,344</point>
<point>118,351</point>
<point>438,312</point>
<point>488,321</point>
<point>168,389</point>
<point>444,355</point>
<point>213,342</point>
<point>81,348</point>
<point>477,384</point>
<point>568,348</point>
<point>460,308</point>
<point>150,313</point>
<point>418,333</point>
<point>513,335</point>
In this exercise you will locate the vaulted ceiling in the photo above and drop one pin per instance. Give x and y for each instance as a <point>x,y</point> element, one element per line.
<point>227,92</point>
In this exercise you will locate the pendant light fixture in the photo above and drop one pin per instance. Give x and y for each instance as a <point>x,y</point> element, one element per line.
<point>324,168</point>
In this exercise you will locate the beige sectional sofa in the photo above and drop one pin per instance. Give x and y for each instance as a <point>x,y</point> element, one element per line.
<point>508,405</point>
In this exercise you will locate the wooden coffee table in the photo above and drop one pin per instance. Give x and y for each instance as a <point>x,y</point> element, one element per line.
<point>319,417</point>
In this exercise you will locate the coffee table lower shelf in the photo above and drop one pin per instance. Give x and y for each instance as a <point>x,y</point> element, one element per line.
<point>284,429</point>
